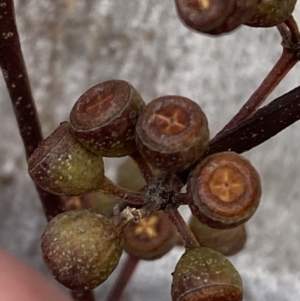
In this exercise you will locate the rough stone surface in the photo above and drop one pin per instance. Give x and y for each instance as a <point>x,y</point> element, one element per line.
<point>71,45</point>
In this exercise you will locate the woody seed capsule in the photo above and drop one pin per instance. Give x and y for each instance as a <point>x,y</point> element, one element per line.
<point>81,248</point>
<point>203,274</point>
<point>61,165</point>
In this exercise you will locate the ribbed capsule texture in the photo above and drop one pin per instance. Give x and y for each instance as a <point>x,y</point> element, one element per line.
<point>203,274</point>
<point>105,116</point>
<point>62,165</point>
<point>81,248</point>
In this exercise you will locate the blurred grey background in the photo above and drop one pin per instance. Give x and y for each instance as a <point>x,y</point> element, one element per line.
<point>70,45</point>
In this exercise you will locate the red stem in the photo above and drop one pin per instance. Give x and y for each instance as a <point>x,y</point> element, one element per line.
<point>143,165</point>
<point>17,82</point>
<point>123,278</point>
<point>16,78</point>
<point>286,62</point>
<point>261,126</point>
<point>294,31</point>
<point>188,238</point>
<point>18,85</point>
<point>129,196</point>
<point>183,199</point>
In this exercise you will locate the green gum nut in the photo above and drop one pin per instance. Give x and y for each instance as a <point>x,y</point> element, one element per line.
<point>61,165</point>
<point>203,274</point>
<point>81,248</point>
<point>226,241</point>
<point>271,13</point>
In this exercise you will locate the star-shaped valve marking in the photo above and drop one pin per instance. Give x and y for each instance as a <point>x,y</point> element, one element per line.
<point>227,184</point>
<point>204,4</point>
<point>171,120</point>
<point>147,226</point>
<point>98,103</point>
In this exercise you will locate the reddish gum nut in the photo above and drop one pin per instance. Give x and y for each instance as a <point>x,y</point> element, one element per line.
<point>242,12</point>
<point>204,15</point>
<point>104,118</point>
<point>215,17</point>
<point>172,133</point>
<point>224,190</point>
<point>62,165</point>
<point>203,274</point>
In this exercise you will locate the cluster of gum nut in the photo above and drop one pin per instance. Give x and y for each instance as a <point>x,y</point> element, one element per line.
<point>82,247</point>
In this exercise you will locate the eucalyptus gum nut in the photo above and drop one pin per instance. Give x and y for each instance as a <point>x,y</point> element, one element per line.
<point>62,165</point>
<point>81,248</point>
<point>204,15</point>
<point>241,13</point>
<point>203,274</point>
<point>172,133</point>
<point>105,116</point>
<point>271,13</point>
<point>226,241</point>
<point>150,238</point>
<point>224,190</point>
<point>215,17</point>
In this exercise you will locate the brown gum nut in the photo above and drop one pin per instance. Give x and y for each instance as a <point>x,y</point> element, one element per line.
<point>243,10</point>
<point>62,165</point>
<point>225,190</point>
<point>271,13</point>
<point>203,274</point>
<point>172,133</point>
<point>151,238</point>
<point>204,15</point>
<point>104,118</point>
<point>226,241</point>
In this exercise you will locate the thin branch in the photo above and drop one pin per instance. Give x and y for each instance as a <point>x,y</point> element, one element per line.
<point>123,278</point>
<point>143,165</point>
<point>284,32</point>
<point>260,127</point>
<point>263,125</point>
<point>290,56</point>
<point>286,62</point>
<point>294,30</point>
<point>17,82</point>
<point>129,196</point>
<point>182,199</point>
<point>16,78</point>
<point>188,238</point>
